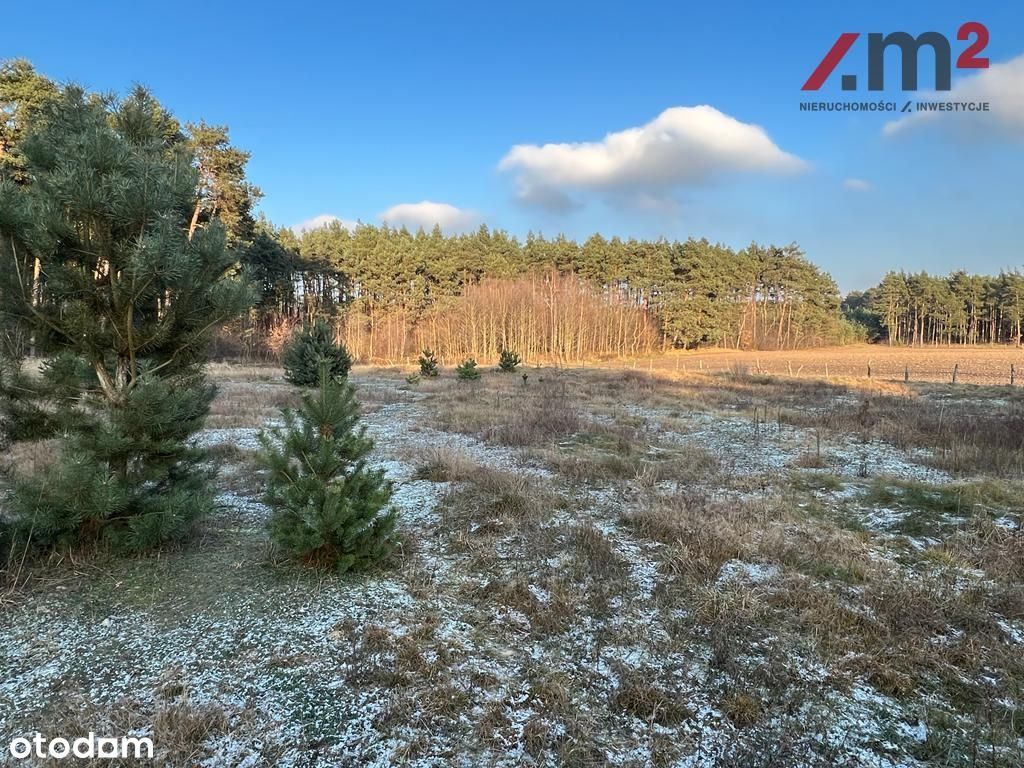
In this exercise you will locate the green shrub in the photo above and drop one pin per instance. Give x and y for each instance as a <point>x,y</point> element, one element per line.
<point>313,347</point>
<point>468,370</point>
<point>508,361</point>
<point>329,509</point>
<point>129,480</point>
<point>428,365</point>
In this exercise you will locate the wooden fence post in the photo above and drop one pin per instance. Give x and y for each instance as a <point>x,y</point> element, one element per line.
<point>1013,374</point>
<point>956,370</point>
<point>906,373</point>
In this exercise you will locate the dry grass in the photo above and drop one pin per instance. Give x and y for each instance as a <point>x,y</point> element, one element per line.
<point>181,728</point>
<point>500,520</point>
<point>443,463</point>
<point>890,641</point>
<point>742,709</point>
<point>639,697</point>
<point>995,549</point>
<point>968,429</point>
<point>29,457</point>
<point>594,612</point>
<point>595,553</point>
<point>493,499</point>
<point>966,434</point>
<point>826,586</point>
<point>539,413</point>
<point>700,541</point>
<point>249,403</point>
<point>589,458</point>
<point>759,577</point>
<point>939,509</point>
<point>727,390</point>
<point>221,372</point>
<point>987,365</point>
<point>702,535</point>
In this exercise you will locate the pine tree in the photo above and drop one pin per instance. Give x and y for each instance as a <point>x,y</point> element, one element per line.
<point>125,308</point>
<point>130,479</point>
<point>468,371</point>
<point>33,407</point>
<point>329,509</point>
<point>508,361</point>
<point>428,365</point>
<point>223,193</point>
<point>24,94</point>
<point>312,348</point>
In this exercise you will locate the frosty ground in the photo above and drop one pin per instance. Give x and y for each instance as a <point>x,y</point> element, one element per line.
<point>596,568</point>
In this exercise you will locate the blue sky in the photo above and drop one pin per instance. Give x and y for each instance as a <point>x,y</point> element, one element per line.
<point>364,111</point>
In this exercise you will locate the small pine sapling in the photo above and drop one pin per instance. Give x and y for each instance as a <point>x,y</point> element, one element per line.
<point>508,361</point>
<point>428,365</point>
<point>468,371</point>
<point>329,510</point>
<point>311,348</point>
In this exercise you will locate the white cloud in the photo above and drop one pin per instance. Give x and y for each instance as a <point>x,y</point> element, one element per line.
<point>857,185</point>
<point>681,146</point>
<point>1001,85</point>
<point>323,220</point>
<point>426,214</point>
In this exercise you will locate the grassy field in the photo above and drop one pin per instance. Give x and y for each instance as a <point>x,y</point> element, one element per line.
<point>599,567</point>
<point>989,365</point>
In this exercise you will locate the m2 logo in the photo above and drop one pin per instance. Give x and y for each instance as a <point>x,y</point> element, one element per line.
<point>909,47</point>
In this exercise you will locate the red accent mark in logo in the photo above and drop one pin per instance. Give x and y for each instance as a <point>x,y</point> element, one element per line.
<point>832,58</point>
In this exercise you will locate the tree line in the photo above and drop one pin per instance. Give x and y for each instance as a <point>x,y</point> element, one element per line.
<point>959,308</point>
<point>671,293</point>
<point>541,316</point>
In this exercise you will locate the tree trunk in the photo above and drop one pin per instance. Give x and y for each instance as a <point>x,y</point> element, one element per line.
<point>36,295</point>
<point>195,220</point>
